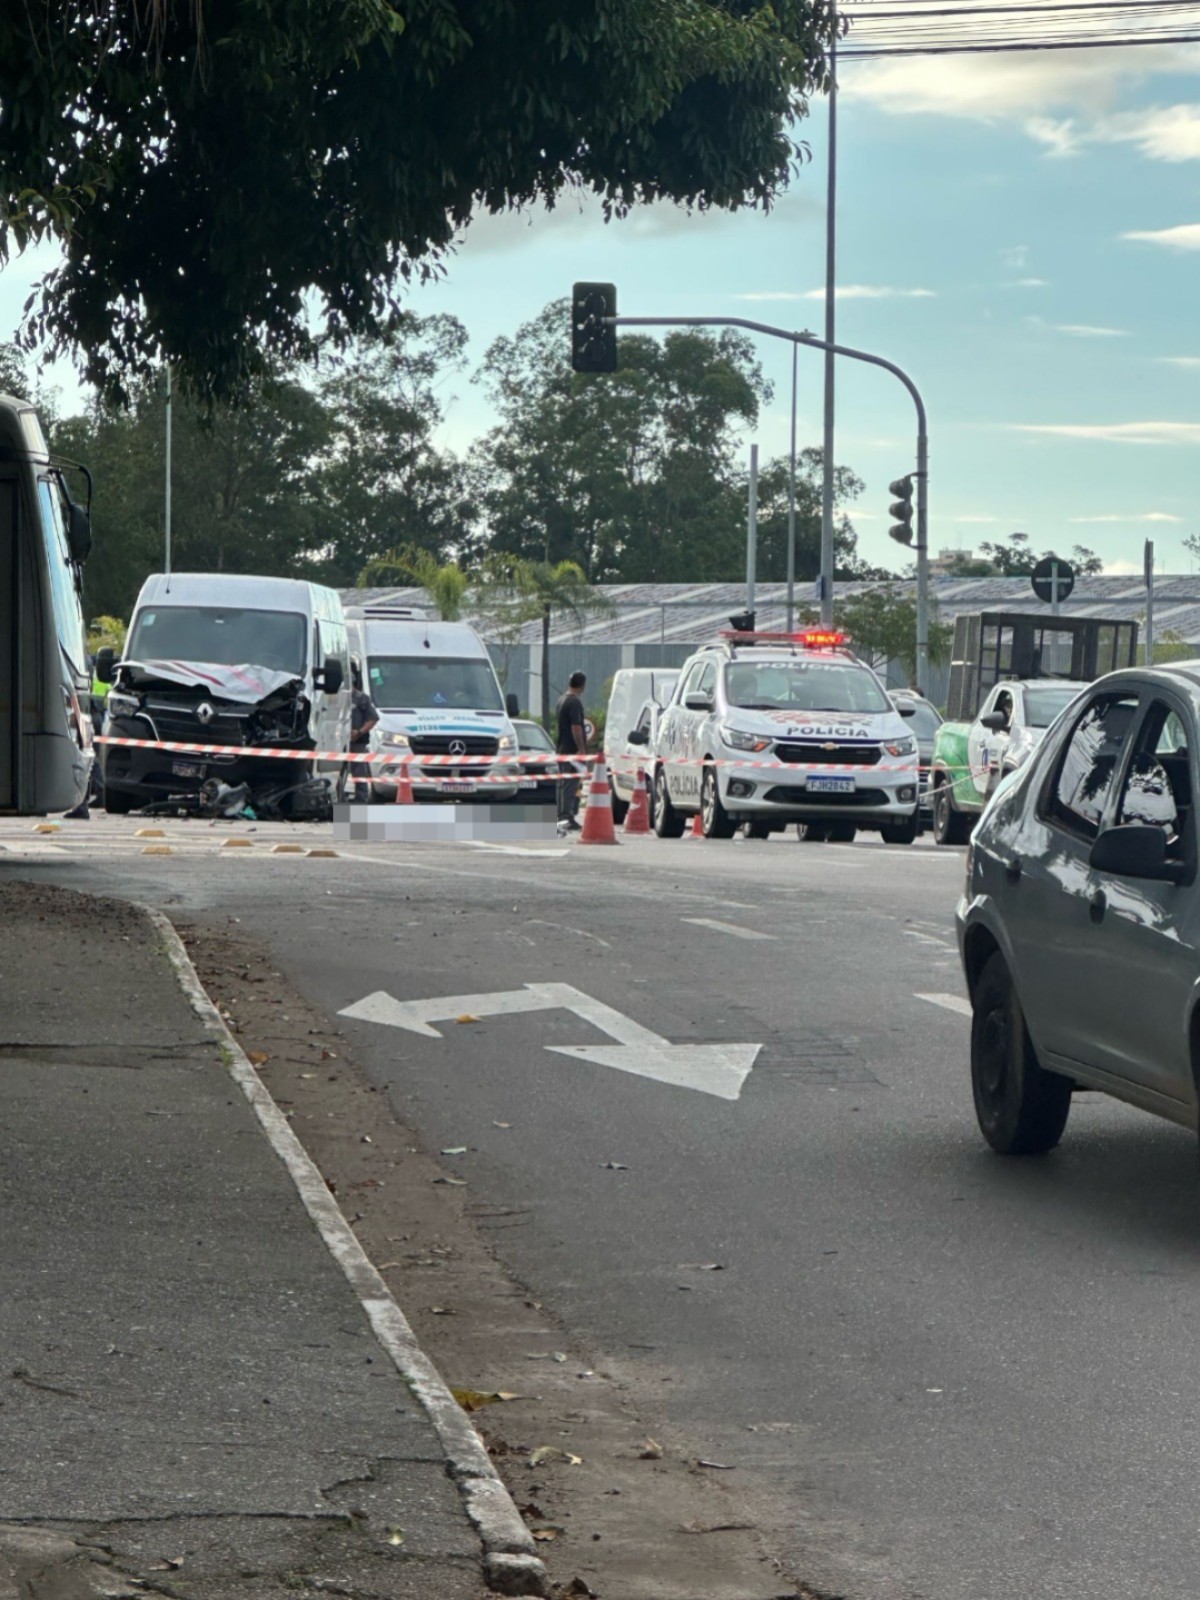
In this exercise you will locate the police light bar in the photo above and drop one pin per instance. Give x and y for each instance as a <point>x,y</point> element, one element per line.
<point>807,638</point>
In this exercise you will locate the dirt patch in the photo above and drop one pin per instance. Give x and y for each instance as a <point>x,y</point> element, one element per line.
<point>616,1499</point>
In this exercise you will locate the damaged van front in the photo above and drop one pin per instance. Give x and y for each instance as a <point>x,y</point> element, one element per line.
<point>225,665</point>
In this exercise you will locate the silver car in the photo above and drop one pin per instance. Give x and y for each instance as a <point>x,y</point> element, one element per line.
<point>1079,928</point>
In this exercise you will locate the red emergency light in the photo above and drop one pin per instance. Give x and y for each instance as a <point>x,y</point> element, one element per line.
<point>807,638</point>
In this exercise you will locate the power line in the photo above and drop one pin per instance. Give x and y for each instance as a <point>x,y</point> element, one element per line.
<point>904,28</point>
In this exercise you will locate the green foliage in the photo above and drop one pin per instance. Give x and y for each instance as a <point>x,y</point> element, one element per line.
<point>106,630</point>
<point>882,624</point>
<point>1017,558</point>
<point>445,585</point>
<point>210,169</point>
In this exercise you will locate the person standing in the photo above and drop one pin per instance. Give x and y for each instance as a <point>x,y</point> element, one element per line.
<point>363,717</point>
<point>571,741</point>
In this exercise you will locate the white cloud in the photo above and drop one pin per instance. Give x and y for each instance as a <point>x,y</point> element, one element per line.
<point>1138,516</point>
<point>1122,569</point>
<point>972,518</point>
<point>1028,283</point>
<point>844,291</point>
<point>1117,432</point>
<point>1015,257</point>
<point>1059,137</point>
<point>1184,237</point>
<point>1179,361</point>
<point>1085,330</point>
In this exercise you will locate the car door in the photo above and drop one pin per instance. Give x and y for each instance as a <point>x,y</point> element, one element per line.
<point>1141,942</point>
<point>702,681</point>
<point>977,742</point>
<point>675,729</point>
<point>1046,900</point>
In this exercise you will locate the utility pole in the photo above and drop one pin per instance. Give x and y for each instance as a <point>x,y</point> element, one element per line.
<point>752,531</point>
<point>830,334</point>
<point>167,517</point>
<point>1148,563</point>
<point>791,549</point>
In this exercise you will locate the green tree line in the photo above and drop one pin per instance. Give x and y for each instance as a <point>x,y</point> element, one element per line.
<point>331,468</point>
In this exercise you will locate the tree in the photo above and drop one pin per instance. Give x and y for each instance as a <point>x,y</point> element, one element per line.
<point>773,499</point>
<point>1017,558</point>
<point>445,585</point>
<point>882,624</point>
<point>964,565</point>
<point>209,169</point>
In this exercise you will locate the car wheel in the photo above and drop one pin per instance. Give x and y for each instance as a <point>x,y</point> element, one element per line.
<point>668,823</point>
<point>949,826</point>
<point>1021,1108</point>
<point>900,832</point>
<point>117,803</point>
<point>757,830</point>
<point>714,819</point>
<point>812,832</point>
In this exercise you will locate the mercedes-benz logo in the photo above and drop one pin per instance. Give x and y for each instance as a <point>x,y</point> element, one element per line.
<point>205,713</point>
<point>458,747</point>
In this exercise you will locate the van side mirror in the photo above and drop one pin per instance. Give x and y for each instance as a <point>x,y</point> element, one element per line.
<point>332,677</point>
<point>512,705</point>
<point>79,533</point>
<point>638,736</point>
<point>105,663</point>
<point>1135,850</point>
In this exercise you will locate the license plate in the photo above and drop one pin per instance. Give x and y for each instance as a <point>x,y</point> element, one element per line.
<point>187,769</point>
<point>455,786</point>
<point>831,786</point>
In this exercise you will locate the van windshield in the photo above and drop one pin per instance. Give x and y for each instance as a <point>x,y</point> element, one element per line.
<point>227,635</point>
<point>797,684</point>
<point>411,683</point>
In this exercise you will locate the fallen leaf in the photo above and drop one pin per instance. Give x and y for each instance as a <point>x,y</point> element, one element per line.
<point>308,1074</point>
<point>466,1017</point>
<point>551,1452</point>
<point>366,1139</point>
<point>532,1509</point>
<point>501,1124</point>
<point>257,1058</point>
<point>441,1311</point>
<point>716,1527</point>
<point>455,1150</point>
<point>651,1450</point>
<point>329,1055</point>
<point>395,1536</point>
<point>475,1399</point>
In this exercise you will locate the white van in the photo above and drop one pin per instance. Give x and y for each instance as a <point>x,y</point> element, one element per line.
<point>437,694</point>
<point>222,659</point>
<point>632,687</point>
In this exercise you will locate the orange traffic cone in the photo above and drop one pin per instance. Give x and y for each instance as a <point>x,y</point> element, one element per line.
<point>697,827</point>
<point>404,792</point>
<point>597,813</point>
<point>637,818</point>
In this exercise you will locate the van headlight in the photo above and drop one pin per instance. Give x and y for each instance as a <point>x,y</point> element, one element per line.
<point>505,742</point>
<point>122,705</point>
<point>737,740</point>
<point>394,741</point>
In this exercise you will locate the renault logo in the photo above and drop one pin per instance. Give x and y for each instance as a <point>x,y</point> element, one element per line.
<point>458,747</point>
<point>205,713</point>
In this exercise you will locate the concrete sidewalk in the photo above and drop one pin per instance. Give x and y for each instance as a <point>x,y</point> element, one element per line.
<point>192,1397</point>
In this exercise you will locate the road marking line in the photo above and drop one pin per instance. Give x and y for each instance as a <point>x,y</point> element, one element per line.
<point>726,927</point>
<point>949,1002</point>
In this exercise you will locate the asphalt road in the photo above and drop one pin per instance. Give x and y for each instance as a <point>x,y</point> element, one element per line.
<point>942,1374</point>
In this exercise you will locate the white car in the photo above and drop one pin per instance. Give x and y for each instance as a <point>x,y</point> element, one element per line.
<point>770,729</point>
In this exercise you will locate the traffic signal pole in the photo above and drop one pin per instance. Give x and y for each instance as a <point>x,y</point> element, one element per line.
<point>921,474</point>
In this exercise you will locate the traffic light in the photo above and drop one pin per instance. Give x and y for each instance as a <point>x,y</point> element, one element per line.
<point>593,343</point>
<point>902,510</point>
<point>742,622</point>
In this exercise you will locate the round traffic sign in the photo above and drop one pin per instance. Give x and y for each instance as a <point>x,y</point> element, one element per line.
<point>589,729</point>
<point>1052,579</point>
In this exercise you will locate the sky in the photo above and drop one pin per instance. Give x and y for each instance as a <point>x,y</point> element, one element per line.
<point>1020,233</point>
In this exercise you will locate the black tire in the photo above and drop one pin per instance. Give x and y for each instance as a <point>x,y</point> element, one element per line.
<point>900,832</point>
<point>841,832</point>
<point>812,832</point>
<point>117,803</point>
<point>668,823</point>
<point>1021,1108</point>
<point>757,830</point>
<point>949,826</point>
<point>714,819</point>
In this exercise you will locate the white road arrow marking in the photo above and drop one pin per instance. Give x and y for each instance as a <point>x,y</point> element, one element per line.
<point>716,1069</point>
<point>949,1002</point>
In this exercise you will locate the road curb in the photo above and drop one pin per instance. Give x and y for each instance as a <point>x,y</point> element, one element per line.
<point>511,1563</point>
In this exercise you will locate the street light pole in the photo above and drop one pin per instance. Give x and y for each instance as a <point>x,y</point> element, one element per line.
<point>791,535</point>
<point>830,334</point>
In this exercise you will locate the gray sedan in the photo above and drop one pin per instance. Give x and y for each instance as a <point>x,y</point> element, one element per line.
<point>1079,928</point>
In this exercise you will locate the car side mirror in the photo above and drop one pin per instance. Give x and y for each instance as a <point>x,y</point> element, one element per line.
<point>1135,850</point>
<point>512,705</point>
<point>698,702</point>
<point>331,675</point>
<point>907,711</point>
<point>105,663</point>
<point>638,736</point>
<point>994,721</point>
<point>79,533</point>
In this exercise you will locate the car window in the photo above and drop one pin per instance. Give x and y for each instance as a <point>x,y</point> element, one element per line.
<point>645,721</point>
<point>1089,763</point>
<point>532,736</point>
<point>1004,704</point>
<point>708,679</point>
<point>690,680</point>
<point>1158,788</point>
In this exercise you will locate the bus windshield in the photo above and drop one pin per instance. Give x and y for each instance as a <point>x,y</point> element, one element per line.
<point>411,683</point>
<point>226,635</point>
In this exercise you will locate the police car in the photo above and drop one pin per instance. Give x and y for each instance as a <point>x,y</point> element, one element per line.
<point>766,729</point>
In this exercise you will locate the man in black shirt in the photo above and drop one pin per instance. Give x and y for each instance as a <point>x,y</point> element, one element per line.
<point>571,741</point>
<point>363,717</point>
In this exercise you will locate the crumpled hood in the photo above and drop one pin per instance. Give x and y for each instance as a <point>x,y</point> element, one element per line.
<point>244,684</point>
